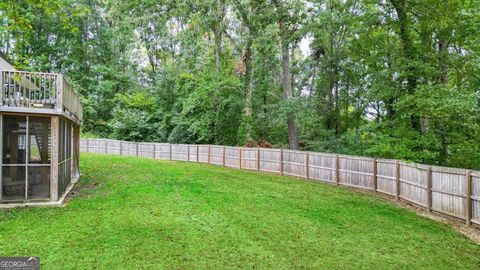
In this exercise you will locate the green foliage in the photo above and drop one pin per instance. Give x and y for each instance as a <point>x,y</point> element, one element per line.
<point>394,79</point>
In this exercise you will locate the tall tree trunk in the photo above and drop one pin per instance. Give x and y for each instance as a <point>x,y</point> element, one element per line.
<point>247,95</point>
<point>218,50</point>
<point>408,53</point>
<point>218,33</point>
<point>249,32</point>
<point>287,86</point>
<point>336,122</point>
<point>287,76</point>
<point>390,101</point>
<point>443,80</point>
<point>442,57</point>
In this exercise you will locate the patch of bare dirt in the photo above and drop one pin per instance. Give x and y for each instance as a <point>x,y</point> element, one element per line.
<point>78,189</point>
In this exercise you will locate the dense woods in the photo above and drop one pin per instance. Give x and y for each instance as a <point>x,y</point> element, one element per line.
<point>385,78</point>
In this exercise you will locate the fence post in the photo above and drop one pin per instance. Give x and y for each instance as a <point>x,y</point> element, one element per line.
<point>154,150</point>
<point>240,158</point>
<point>397,180</point>
<point>337,170</point>
<point>88,145</point>
<point>188,152</point>
<point>208,154</point>
<point>468,179</point>
<point>223,161</point>
<point>375,176</point>
<point>197,153</point>
<point>136,149</point>
<point>170,151</point>
<point>281,161</point>
<point>106,146</point>
<point>258,159</point>
<point>429,189</point>
<point>307,171</point>
<point>121,148</point>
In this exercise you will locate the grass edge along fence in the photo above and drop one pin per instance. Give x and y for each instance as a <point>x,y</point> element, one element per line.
<point>450,191</point>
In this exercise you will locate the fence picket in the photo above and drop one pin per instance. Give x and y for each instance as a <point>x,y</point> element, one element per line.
<point>258,159</point>
<point>397,180</point>
<point>307,172</point>
<point>281,161</point>
<point>468,197</point>
<point>337,170</point>
<point>429,189</point>
<point>240,157</point>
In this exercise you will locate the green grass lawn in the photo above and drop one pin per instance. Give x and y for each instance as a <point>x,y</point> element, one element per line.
<point>144,214</point>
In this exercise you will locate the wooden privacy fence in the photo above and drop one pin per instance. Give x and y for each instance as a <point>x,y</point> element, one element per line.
<point>453,192</point>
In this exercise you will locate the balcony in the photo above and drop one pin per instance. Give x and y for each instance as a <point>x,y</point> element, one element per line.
<point>40,93</point>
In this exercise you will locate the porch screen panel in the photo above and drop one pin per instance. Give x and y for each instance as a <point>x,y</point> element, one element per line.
<point>61,157</point>
<point>14,158</point>
<point>39,158</point>
<point>68,153</point>
<point>64,156</point>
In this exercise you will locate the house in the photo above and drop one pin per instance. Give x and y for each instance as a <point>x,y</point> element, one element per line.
<point>40,119</point>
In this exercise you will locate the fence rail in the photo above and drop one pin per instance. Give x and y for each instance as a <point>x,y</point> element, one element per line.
<point>450,191</point>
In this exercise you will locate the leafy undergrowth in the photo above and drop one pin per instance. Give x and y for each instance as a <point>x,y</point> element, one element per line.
<point>143,214</point>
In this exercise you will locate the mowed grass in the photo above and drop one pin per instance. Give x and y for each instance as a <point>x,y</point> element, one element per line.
<point>148,214</point>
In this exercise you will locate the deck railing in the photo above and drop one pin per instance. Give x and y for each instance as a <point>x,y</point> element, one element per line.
<point>450,191</point>
<point>38,90</point>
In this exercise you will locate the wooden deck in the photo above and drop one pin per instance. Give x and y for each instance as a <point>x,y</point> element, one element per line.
<point>39,93</point>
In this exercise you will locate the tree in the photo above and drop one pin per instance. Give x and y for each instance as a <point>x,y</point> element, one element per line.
<point>394,79</point>
<point>285,37</point>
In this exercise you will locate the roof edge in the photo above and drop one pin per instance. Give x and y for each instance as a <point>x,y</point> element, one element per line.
<point>4,57</point>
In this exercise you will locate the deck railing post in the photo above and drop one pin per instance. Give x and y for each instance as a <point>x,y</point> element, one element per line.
<point>307,170</point>
<point>337,170</point>
<point>375,176</point>
<point>429,189</point>
<point>468,197</point>
<point>59,92</point>
<point>397,180</point>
